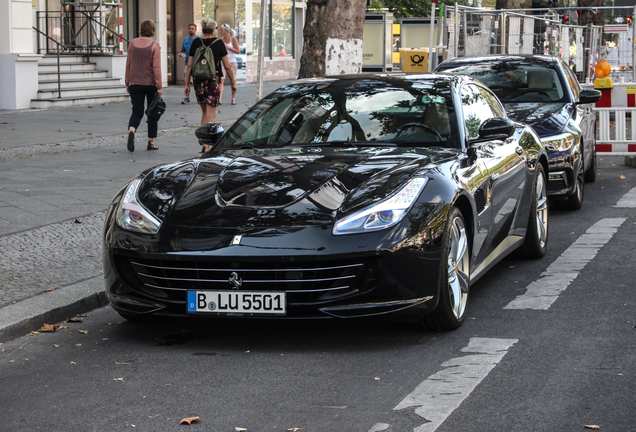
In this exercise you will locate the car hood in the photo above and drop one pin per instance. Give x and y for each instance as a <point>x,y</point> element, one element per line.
<point>289,186</point>
<point>546,118</point>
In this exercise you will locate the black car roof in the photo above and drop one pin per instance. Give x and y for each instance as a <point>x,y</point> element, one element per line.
<point>530,59</point>
<point>392,77</point>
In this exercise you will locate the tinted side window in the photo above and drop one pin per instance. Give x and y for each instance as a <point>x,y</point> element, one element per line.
<point>476,109</point>
<point>493,102</point>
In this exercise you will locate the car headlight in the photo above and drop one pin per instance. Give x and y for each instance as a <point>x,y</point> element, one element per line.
<point>132,215</point>
<point>559,142</point>
<point>384,214</point>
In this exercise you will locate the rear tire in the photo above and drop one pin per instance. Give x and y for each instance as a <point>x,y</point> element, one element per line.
<point>536,242</point>
<point>455,277</point>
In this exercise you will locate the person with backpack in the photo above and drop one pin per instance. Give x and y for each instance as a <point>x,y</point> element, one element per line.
<point>204,65</point>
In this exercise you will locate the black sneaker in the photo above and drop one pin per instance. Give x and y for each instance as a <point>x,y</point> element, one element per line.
<point>185,101</point>
<point>131,141</point>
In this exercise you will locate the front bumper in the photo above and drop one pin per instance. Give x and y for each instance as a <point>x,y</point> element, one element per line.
<point>561,167</point>
<point>324,276</point>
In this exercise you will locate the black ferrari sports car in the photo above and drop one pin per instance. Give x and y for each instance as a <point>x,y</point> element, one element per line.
<point>542,91</point>
<point>347,197</point>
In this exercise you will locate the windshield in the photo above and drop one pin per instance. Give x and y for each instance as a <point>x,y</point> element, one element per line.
<point>516,82</point>
<point>350,112</point>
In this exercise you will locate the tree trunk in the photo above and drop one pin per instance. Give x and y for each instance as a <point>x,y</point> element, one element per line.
<point>514,4</point>
<point>587,16</point>
<point>332,37</point>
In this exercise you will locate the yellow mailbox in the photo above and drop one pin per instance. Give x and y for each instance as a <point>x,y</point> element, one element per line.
<point>414,59</point>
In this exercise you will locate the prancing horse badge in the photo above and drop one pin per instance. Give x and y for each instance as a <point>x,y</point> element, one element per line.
<point>237,239</point>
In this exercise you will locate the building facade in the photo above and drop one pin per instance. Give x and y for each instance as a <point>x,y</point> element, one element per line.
<point>31,30</point>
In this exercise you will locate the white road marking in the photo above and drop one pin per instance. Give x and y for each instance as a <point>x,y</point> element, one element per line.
<point>541,293</point>
<point>628,200</point>
<point>441,393</point>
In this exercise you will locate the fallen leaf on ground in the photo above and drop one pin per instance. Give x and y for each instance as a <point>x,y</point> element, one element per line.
<point>622,178</point>
<point>61,130</point>
<point>190,420</point>
<point>73,320</point>
<point>238,429</point>
<point>50,289</point>
<point>49,328</point>
<point>89,133</point>
<point>77,220</point>
<point>592,426</point>
<point>84,331</point>
<point>90,255</point>
<point>295,429</point>
<point>56,345</point>
<point>118,379</point>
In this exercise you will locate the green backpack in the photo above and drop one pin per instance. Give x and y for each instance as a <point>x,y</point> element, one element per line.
<point>204,66</point>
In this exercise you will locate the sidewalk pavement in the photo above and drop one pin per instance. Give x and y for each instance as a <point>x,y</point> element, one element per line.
<point>59,169</point>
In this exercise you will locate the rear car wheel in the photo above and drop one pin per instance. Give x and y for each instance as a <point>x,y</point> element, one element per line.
<point>455,279</point>
<point>536,242</point>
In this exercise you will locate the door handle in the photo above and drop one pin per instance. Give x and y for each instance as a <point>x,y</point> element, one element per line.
<point>519,151</point>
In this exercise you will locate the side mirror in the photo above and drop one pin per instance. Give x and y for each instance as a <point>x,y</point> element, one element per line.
<point>496,128</point>
<point>589,96</point>
<point>209,133</point>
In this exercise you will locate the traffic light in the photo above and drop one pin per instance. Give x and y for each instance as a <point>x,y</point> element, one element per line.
<point>628,20</point>
<point>565,19</point>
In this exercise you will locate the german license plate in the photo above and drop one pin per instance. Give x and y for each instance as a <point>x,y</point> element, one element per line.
<point>239,303</point>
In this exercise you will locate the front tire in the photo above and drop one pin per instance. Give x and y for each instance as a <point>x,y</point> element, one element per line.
<point>455,277</point>
<point>536,241</point>
<point>590,174</point>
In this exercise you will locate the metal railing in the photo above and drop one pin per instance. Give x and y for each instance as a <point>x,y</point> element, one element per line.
<point>78,31</point>
<point>59,78</point>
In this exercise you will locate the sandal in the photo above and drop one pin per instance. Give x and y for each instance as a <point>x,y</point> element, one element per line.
<point>233,102</point>
<point>131,141</point>
<point>152,146</point>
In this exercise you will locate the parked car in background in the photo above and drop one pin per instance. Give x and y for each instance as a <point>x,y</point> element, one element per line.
<point>240,58</point>
<point>344,197</point>
<point>543,92</point>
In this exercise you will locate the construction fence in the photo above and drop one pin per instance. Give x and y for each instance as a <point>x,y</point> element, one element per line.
<point>468,31</point>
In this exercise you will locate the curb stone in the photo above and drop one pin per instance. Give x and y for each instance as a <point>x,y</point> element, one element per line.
<point>28,315</point>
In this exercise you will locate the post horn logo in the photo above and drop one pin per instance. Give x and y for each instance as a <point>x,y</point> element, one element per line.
<point>417,60</point>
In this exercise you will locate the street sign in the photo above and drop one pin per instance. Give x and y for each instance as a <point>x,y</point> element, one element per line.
<point>616,28</point>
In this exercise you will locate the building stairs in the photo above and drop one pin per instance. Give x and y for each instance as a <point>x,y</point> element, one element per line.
<point>81,83</point>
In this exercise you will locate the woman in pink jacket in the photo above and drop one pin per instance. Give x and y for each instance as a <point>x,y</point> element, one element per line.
<point>143,80</point>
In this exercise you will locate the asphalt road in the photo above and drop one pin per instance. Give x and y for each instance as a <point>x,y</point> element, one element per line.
<point>559,367</point>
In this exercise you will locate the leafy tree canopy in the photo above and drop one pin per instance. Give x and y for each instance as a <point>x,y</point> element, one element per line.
<point>410,8</point>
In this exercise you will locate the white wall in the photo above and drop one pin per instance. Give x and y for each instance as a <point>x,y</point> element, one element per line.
<point>156,10</point>
<point>18,80</point>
